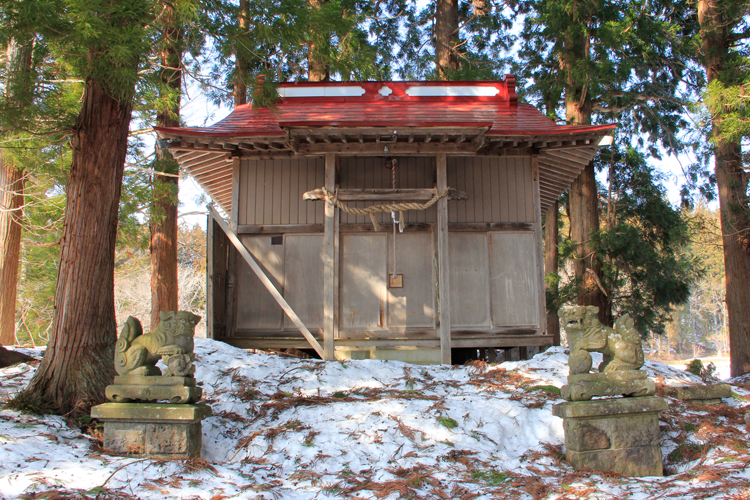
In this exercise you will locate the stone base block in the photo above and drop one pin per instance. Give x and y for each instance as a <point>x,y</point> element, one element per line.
<point>619,435</point>
<point>152,430</point>
<point>583,387</point>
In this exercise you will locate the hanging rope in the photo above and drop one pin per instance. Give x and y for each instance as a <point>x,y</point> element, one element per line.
<point>400,222</point>
<point>390,207</point>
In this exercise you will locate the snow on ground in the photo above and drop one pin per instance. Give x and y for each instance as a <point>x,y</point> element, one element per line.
<point>285,428</point>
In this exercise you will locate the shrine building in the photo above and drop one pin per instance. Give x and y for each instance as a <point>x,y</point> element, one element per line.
<point>449,258</point>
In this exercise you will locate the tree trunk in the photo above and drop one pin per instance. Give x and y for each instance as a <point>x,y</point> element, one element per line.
<point>551,255</point>
<point>11,212</point>
<point>17,83</point>
<point>317,69</point>
<point>584,199</point>
<point>79,361</point>
<point>163,224</point>
<point>732,183</point>
<point>446,38</point>
<point>241,64</point>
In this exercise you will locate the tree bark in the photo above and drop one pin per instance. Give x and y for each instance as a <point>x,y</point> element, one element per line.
<point>732,183</point>
<point>163,224</point>
<point>584,199</point>
<point>317,68</point>
<point>241,64</point>
<point>79,360</point>
<point>551,256</point>
<point>18,67</point>
<point>11,213</point>
<point>446,38</point>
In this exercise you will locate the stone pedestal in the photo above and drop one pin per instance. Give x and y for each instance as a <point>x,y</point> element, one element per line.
<point>177,390</point>
<point>583,387</point>
<point>618,434</point>
<point>152,429</point>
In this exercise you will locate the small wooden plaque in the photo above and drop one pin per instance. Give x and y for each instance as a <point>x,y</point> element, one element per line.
<point>397,282</point>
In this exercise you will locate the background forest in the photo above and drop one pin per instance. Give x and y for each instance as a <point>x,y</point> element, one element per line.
<point>672,74</point>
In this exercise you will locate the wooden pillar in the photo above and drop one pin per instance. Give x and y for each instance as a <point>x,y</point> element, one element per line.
<point>330,259</point>
<point>551,256</point>
<point>217,253</point>
<point>234,216</point>
<point>210,229</point>
<point>443,285</point>
<point>539,253</point>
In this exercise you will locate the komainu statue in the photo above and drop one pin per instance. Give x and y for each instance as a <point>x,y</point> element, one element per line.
<point>621,345</point>
<point>137,353</point>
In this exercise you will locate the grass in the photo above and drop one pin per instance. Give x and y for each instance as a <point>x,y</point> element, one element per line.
<point>490,477</point>
<point>549,389</point>
<point>686,452</point>
<point>448,422</point>
<point>25,402</point>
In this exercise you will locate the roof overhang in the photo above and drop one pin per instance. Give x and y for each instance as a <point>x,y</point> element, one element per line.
<point>384,119</point>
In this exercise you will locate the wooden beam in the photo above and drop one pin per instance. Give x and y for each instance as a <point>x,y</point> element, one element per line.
<point>443,285</point>
<point>210,272</point>
<point>273,341</point>
<point>394,148</point>
<point>234,216</point>
<point>539,254</point>
<point>330,273</point>
<point>280,228</point>
<point>467,227</point>
<point>243,251</point>
<point>396,195</point>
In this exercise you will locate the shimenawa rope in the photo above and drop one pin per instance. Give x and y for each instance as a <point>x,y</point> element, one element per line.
<point>390,207</point>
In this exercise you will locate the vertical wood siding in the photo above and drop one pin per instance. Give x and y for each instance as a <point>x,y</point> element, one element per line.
<point>498,189</point>
<point>271,191</point>
<point>371,173</point>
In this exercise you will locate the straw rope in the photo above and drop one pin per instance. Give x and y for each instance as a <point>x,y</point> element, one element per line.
<point>390,207</point>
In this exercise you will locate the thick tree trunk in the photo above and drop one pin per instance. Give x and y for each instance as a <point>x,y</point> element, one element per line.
<point>584,199</point>
<point>241,64</point>
<point>317,69</point>
<point>584,219</point>
<point>551,256</point>
<point>446,37</point>
<point>163,224</point>
<point>11,212</point>
<point>732,183</point>
<point>79,361</point>
<point>17,83</point>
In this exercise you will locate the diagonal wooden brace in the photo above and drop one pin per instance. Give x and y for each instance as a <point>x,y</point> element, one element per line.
<point>264,279</point>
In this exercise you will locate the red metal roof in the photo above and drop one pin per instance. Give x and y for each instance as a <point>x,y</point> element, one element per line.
<point>501,113</point>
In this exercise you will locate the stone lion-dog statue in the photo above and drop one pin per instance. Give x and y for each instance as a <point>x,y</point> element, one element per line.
<point>136,353</point>
<point>621,345</point>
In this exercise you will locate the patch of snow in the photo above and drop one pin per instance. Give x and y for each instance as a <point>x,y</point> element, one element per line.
<point>290,429</point>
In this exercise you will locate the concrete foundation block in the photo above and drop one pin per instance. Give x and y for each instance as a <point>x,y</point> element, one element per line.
<point>619,435</point>
<point>152,430</point>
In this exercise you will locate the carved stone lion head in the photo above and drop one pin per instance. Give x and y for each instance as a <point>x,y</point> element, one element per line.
<point>577,318</point>
<point>179,323</point>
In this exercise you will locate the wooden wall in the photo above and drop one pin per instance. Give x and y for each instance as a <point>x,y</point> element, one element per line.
<point>499,189</point>
<point>493,273</point>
